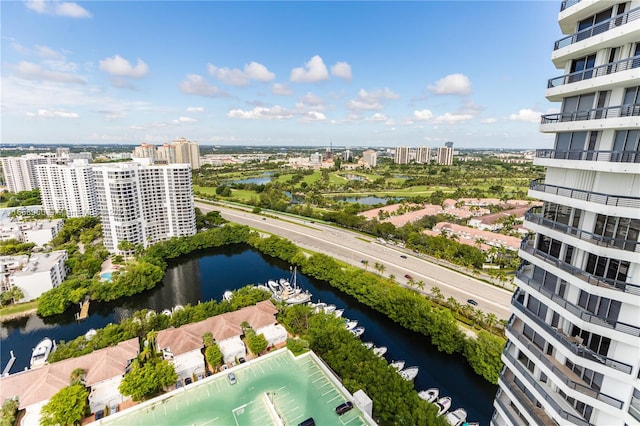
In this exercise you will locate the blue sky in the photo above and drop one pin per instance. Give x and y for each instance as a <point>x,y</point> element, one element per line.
<point>278,73</point>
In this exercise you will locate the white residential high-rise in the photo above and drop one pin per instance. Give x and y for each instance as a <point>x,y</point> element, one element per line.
<point>370,158</point>
<point>142,203</point>
<point>423,155</point>
<point>68,188</point>
<point>573,350</point>
<point>19,172</point>
<point>445,155</point>
<point>187,152</point>
<point>401,155</point>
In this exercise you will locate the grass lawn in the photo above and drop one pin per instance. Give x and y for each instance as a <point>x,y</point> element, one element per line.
<point>20,307</point>
<point>243,194</point>
<point>312,178</point>
<point>208,190</point>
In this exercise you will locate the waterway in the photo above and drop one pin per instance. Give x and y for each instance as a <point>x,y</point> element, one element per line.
<point>369,200</point>
<point>207,275</point>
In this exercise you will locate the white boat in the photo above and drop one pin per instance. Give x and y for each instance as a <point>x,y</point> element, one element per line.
<point>429,395</point>
<point>367,345</point>
<point>409,373</point>
<point>263,288</point>
<point>273,286</point>
<point>380,351</point>
<point>350,324</point>
<point>338,313</point>
<point>227,295</point>
<point>456,417</point>
<point>41,352</point>
<point>178,308</point>
<point>329,308</point>
<point>298,298</point>
<point>398,365</point>
<point>89,334</point>
<point>357,331</point>
<point>317,307</point>
<point>166,312</point>
<point>443,404</point>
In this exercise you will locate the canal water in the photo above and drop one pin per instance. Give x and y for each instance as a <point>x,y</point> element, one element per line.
<point>207,275</point>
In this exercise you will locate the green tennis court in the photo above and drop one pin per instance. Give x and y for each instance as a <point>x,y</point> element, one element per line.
<point>271,390</point>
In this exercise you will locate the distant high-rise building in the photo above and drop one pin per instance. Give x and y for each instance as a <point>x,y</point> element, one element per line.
<point>370,157</point>
<point>573,350</point>
<point>187,152</point>
<point>145,150</point>
<point>19,172</point>
<point>166,154</point>
<point>68,189</point>
<point>423,155</point>
<point>445,154</point>
<point>401,155</point>
<point>347,155</point>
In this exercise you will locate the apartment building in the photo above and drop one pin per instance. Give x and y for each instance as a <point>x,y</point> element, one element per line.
<point>179,151</point>
<point>35,275</point>
<point>423,155</point>
<point>68,188</point>
<point>143,203</point>
<point>19,172</point>
<point>370,158</point>
<point>402,155</point>
<point>445,155</point>
<point>573,350</point>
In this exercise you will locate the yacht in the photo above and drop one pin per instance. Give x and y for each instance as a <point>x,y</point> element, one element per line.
<point>227,295</point>
<point>368,345</point>
<point>167,312</point>
<point>350,324</point>
<point>89,334</point>
<point>456,417</point>
<point>443,404</point>
<point>429,395</point>
<point>357,331</point>
<point>41,352</point>
<point>409,373</point>
<point>329,308</point>
<point>380,351</point>
<point>338,313</point>
<point>398,365</point>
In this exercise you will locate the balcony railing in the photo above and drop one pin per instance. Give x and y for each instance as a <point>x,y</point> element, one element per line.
<point>532,215</point>
<point>527,246</point>
<point>544,392</point>
<point>584,155</point>
<point>574,347</point>
<point>629,110</point>
<point>568,3</point>
<point>506,382</point>
<point>564,378</point>
<point>606,69</point>
<point>580,194</point>
<point>600,28</point>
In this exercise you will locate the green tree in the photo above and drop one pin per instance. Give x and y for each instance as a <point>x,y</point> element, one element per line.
<point>483,354</point>
<point>77,376</point>
<point>67,407</point>
<point>213,355</point>
<point>257,343</point>
<point>9,412</point>
<point>148,379</point>
<point>437,293</point>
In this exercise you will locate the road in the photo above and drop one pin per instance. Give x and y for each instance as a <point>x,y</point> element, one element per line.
<point>353,248</point>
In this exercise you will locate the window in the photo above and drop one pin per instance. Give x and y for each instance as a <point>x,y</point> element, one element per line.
<point>570,141</point>
<point>582,68</point>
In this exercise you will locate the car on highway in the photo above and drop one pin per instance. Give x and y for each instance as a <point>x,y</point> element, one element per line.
<point>344,407</point>
<point>407,276</point>
<point>403,256</point>
<point>472,302</point>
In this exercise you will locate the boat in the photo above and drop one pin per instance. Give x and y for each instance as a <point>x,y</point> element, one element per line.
<point>429,395</point>
<point>409,373</point>
<point>456,417</point>
<point>329,308</point>
<point>443,404</point>
<point>380,351</point>
<point>89,334</point>
<point>338,313</point>
<point>273,286</point>
<point>166,312</point>
<point>350,324</point>
<point>298,298</point>
<point>41,352</point>
<point>178,308</point>
<point>317,307</point>
<point>367,345</point>
<point>263,288</point>
<point>227,295</point>
<point>398,365</point>
<point>357,331</point>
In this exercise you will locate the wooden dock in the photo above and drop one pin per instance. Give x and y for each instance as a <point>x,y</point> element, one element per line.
<point>12,360</point>
<point>84,310</point>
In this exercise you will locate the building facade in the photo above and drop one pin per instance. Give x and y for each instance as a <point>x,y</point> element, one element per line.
<point>40,273</point>
<point>19,172</point>
<point>423,155</point>
<point>187,152</point>
<point>445,155</point>
<point>402,155</point>
<point>370,157</point>
<point>68,188</point>
<point>573,350</point>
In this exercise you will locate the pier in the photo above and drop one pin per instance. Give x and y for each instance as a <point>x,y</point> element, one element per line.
<point>84,310</point>
<point>5,372</point>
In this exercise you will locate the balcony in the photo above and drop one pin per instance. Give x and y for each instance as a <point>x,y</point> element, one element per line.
<point>547,394</point>
<point>533,215</point>
<point>590,196</point>
<point>606,69</point>
<point>570,342</point>
<point>568,3</point>
<point>584,155</point>
<point>600,28</point>
<point>527,247</point>
<point>629,110</point>
<point>536,413</point>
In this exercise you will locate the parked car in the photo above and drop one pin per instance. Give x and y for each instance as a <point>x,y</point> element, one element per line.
<point>308,422</point>
<point>188,381</point>
<point>99,414</point>
<point>344,407</point>
<point>472,302</point>
<point>113,409</point>
<point>232,378</point>
<point>241,360</point>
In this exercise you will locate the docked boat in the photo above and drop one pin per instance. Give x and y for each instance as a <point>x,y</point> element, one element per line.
<point>409,373</point>
<point>89,334</point>
<point>350,324</point>
<point>367,345</point>
<point>227,295</point>
<point>443,404</point>
<point>456,417</point>
<point>338,313</point>
<point>41,352</point>
<point>166,312</point>
<point>398,365</point>
<point>329,309</point>
<point>357,331</point>
<point>380,351</point>
<point>429,395</point>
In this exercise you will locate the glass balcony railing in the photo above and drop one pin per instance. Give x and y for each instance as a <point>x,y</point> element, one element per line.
<point>630,110</point>
<point>599,28</point>
<point>568,3</point>
<point>584,155</point>
<point>581,194</point>
<point>606,69</point>
<point>534,215</point>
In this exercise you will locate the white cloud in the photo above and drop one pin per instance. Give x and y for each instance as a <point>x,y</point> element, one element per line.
<point>425,114</point>
<point>31,71</point>
<point>488,121</point>
<point>449,118</point>
<point>194,84</point>
<point>261,113</point>
<point>53,114</point>
<point>195,109</point>
<point>281,89</point>
<point>311,99</point>
<point>378,117</point>
<point>313,116</point>
<point>68,9</point>
<point>371,100</point>
<point>181,120</point>
<point>453,84</point>
<point>314,70</point>
<point>238,77</point>
<point>342,70</point>
<point>526,115</point>
<point>48,53</point>
<point>117,65</point>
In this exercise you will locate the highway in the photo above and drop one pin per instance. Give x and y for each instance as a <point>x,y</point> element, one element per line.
<point>353,248</point>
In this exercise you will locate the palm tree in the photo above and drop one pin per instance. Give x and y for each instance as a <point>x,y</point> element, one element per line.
<point>392,277</point>
<point>491,320</point>
<point>437,293</point>
<point>420,284</point>
<point>77,376</point>
<point>453,303</point>
<point>366,264</point>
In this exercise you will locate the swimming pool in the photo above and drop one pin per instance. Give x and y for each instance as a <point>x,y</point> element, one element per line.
<point>106,276</point>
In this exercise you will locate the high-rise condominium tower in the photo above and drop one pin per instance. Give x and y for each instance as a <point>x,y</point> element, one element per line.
<point>573,350</point>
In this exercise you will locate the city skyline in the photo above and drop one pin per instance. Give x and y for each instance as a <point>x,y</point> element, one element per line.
<point>289,73</point>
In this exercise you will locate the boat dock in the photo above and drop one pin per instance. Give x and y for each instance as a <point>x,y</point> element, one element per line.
<point>12,360</point>
<point>84,310</point>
